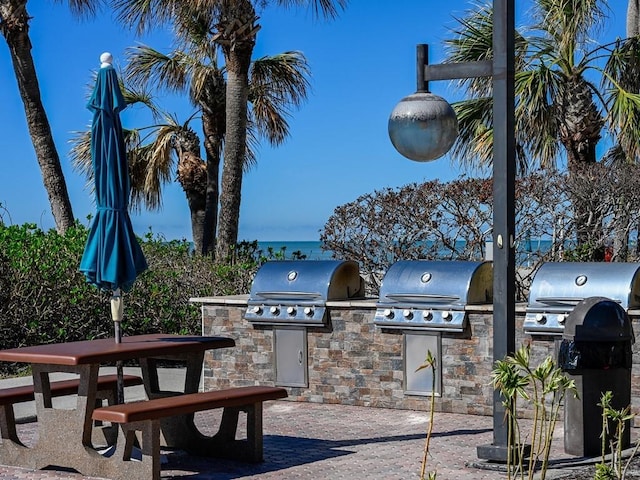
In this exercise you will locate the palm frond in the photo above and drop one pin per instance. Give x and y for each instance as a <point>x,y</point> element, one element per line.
<point>624,120</point>
<point>145,15</point>
<point>328,9</point>
<point>83,8</point>
<point>473,41</point>
<point>207,88</point>
<point>147,65</point>
<point>536,115</point>
<point>623,65</point>
<point>277,83</point>
<point>80,153</point>
<point>253,143</point>
<point>474,146</point>
<point>571,23</point>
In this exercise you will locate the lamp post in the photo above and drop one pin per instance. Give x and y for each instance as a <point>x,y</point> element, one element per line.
<point>502,70</point>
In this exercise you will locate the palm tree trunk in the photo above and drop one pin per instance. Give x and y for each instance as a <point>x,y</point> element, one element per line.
<point>210,220</point>
<point>192,176</point>
<point>234,155</point>
<point>212,129</point>
<point>237,45</point>
<point>633,18</point>
<point>15,29</point>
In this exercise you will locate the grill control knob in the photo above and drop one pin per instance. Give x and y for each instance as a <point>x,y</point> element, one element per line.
<point>540,318</point>
<point>291,311</point>
<point>428,315</point>
<point>447,316</point>
<point>274,310</point>
<point>408,314</point>
<point>561,318</point>
<point>257,310</point>
<point>308,311</point>
<point>388,313</point>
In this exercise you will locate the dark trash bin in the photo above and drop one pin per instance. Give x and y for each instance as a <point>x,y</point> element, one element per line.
<point>596,353</point>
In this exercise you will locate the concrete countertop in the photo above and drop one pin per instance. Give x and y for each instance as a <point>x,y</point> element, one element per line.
<point>364,303</point>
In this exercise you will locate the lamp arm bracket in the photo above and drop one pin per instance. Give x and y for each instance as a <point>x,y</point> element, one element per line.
<point>452,71</point>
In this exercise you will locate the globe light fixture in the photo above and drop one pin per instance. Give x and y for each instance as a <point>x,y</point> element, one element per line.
<point>423,127</point>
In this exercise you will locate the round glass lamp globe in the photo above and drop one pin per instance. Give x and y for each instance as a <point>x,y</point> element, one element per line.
<point>423,127</point>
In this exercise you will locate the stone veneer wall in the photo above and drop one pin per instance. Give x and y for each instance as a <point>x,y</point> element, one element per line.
<point>353,362</point>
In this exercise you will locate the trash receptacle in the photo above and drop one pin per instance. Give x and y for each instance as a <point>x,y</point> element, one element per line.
<point>596,353</point>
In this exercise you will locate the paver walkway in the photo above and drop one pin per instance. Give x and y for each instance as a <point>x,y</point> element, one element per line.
<point>318,441</point>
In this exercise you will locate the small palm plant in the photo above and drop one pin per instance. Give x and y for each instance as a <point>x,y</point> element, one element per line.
<point>613,426</point>
<point>545,387</point>
<point>429,362</point>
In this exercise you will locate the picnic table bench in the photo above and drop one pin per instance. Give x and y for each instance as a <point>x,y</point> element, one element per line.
<point>107,385</point>
<point>145,416</point>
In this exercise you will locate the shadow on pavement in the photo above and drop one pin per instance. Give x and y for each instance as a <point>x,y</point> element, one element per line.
<point>283,452</point>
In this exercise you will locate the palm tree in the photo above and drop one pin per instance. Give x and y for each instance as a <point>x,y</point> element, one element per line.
<point>235,26</point>
<point>14,26</point>
<point>558,107</point>
<point>191,68</point>
<point>276,83</point>
<point>152,152</point>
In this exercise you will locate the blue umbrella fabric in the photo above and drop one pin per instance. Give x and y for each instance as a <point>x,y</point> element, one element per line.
<point>112,257</point>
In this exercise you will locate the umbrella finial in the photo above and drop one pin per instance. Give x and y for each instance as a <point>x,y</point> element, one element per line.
<point>106,59</point>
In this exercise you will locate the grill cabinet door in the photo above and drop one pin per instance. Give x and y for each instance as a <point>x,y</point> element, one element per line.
<point>416,346</point>
<point>290,346</point>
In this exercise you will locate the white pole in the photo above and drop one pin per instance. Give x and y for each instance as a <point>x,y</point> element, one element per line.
<point>116,315</point>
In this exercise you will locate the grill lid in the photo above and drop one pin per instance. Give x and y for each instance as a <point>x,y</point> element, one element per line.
<point>294,292</point>
<point>432,295</point>
<point>558,287</point>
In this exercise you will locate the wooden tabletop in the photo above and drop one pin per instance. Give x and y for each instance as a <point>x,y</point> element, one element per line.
<point>105,350</point>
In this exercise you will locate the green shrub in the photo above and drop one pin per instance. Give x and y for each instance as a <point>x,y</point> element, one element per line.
<point>44,298</point>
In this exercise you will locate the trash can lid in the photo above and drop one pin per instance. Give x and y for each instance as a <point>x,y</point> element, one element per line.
<point>598,319</point>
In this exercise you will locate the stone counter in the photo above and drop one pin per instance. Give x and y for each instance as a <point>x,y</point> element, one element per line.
<point>351,361</point>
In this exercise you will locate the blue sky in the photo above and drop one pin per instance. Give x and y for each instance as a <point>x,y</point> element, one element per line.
<point>362,64</point>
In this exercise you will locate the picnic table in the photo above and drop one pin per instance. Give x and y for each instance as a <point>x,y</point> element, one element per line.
<point>65,436</point>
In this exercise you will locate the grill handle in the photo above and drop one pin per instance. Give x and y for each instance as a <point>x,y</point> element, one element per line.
<point>290,295</point>
<point>564,300</point>
<point>559,300</point>
<point>422,297</point>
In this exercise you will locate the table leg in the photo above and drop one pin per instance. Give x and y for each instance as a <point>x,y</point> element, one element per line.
<point>77,422</point>
<point>64,436</point>
<point>179,431</point>
<point>12,448</point>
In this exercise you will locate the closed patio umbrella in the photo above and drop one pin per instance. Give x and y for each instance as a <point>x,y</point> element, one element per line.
<point>112,257</point>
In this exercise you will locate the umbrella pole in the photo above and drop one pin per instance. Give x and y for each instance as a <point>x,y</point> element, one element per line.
<point>116,315</point>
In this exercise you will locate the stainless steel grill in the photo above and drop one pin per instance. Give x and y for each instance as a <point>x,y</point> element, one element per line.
<point>559,286</point>
<point>295,292</point>
<point>432,295</point>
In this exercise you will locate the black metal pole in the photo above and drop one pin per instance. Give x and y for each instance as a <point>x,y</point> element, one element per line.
<point>503,202</point>
<point>422,59</point>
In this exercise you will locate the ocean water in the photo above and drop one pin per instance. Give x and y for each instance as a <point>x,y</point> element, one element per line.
<point>311,249</point>
<point>525,250</point>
